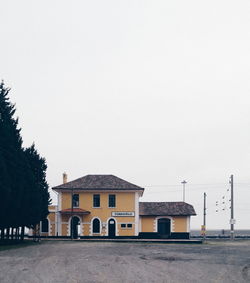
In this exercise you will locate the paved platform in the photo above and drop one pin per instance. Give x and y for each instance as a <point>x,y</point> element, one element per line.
<point>162,241</point>
<point>115,262</point>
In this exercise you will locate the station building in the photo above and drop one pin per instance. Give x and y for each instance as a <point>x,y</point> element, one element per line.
<point>107,206</point>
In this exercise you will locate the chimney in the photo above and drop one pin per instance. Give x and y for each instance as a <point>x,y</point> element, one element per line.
<point>65,178</point>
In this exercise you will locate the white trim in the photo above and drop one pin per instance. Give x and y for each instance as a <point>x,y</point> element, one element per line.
<point>91,226</point>
<point>166,217</point>
<point>69,225</point>
<point>116,227</point>
<point>59,200</point>
<point>59,219</point>
<point>58,230</point>
<point>136,214</point>
<point>188,224</point>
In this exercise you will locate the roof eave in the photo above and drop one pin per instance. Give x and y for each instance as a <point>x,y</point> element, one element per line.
<point>57,189</point>
<point>168,214</point>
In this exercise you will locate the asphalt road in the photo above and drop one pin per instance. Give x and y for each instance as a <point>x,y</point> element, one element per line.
<point>58,261</point>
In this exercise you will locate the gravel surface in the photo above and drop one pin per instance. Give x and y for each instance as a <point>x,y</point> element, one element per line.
<point>65,261</point>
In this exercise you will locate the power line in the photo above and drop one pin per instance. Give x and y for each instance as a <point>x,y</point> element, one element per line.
<point>190,189</point>
<point>190,184</point>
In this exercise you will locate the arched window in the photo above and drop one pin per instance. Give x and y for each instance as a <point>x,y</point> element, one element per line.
<point>96,225</point>
<point>45,226</point>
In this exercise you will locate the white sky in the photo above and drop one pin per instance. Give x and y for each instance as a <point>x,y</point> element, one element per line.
<point>151,91</point>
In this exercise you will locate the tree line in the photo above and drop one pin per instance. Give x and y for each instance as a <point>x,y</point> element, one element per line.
<point>24,196</point>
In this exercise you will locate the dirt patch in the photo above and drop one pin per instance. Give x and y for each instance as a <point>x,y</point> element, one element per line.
<point>246,272</point>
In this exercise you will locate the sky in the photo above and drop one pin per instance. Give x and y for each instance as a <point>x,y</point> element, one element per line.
<point>154,92</point>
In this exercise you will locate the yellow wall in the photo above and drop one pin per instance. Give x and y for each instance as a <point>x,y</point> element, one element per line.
<point>52,207</point>
<point>64,230</point>
<point>147,224</point>
<point>51,217</point>
<point>53,229</point>
<point>180,224</point>
<point>66,200</point>
<point>125,201</point>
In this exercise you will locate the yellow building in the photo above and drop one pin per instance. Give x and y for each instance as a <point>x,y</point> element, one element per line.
<point>105,205</point>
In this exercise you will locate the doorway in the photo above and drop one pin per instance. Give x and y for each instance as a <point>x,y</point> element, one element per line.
<point>75,227</point>
<point>164,227</point>
<point>111,227</point>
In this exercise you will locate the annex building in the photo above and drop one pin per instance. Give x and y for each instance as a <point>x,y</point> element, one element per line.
<point>107,206</point>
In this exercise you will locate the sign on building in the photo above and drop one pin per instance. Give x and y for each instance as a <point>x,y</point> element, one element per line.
<point>123,213</point>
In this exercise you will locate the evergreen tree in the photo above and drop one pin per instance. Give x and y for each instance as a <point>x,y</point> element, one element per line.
<point>4,193</point>
<point>10,151</point>
<point>39,195</point>
<point>24,196</point>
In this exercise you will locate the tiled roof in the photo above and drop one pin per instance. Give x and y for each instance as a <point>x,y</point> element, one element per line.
<point>99,182</point>
<point>75,210</point>
<point>166,208</point>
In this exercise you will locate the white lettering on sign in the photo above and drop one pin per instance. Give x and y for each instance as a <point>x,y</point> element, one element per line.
<point>123,213</point>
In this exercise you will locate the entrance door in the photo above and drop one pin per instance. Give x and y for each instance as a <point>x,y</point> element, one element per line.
<point>111,228</point>
<point>75,222</point>
<point>164,227</point>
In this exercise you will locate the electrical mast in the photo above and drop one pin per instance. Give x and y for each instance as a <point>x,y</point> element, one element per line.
<point>184,183</point>
<point>204,217</point>
<point>232,220</point>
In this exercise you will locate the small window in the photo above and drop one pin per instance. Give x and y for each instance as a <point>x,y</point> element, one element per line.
<point>123,225</point>
<point>112,201</point>
<point>129,225</point>
<point>96,225</point>
<point>96,200</point>
<point>45,226</point>
<point>75,200</point>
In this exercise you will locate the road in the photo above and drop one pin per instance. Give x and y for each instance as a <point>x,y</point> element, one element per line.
<point>72,262</point>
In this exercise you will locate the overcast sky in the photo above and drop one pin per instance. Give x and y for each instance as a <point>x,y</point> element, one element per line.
<point>151,91</point>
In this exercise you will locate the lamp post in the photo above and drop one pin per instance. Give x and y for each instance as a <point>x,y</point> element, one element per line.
<point>183,183</point>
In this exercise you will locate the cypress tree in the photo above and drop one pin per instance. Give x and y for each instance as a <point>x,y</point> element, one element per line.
<point>24,196</point>
<point>10,150</point>
<point>39,195</point>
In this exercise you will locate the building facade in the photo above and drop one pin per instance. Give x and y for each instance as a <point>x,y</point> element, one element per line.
<point>107,206</point>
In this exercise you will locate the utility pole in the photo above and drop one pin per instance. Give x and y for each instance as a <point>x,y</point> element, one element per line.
<point>183,183</point>
<point>232,220</point>
<point>204,217</point>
